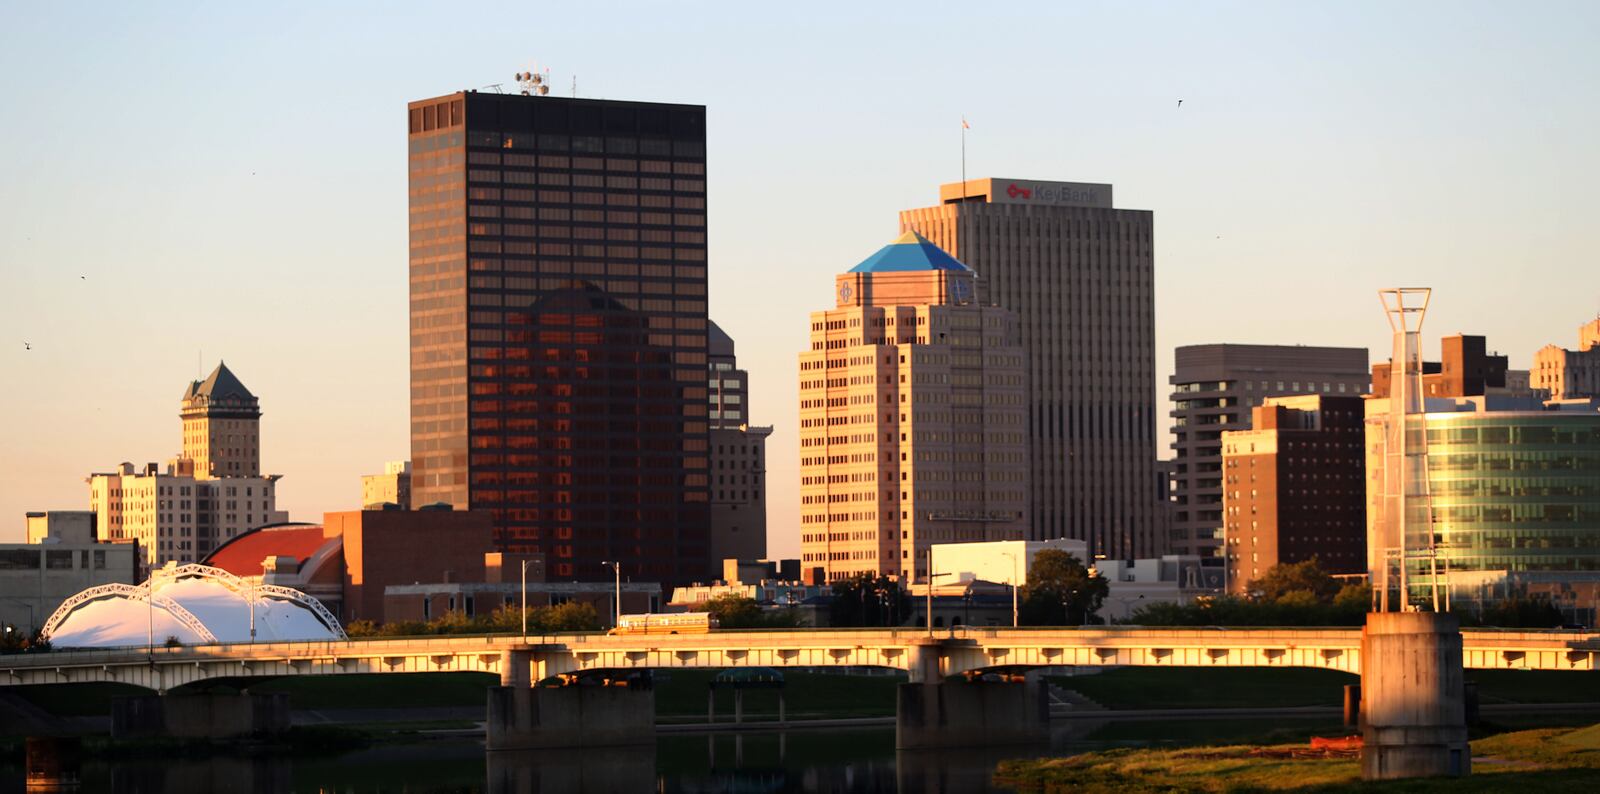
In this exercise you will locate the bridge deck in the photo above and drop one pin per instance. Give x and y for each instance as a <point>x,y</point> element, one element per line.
<point>971,649</point>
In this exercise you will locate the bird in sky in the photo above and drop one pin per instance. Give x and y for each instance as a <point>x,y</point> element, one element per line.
<point>26,346</point>
<point>1180,103</point>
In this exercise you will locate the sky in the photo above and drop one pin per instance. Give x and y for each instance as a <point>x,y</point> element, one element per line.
<point>182,183</point>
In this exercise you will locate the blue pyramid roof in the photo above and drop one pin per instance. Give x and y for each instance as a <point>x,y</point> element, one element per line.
<point>911,251</point>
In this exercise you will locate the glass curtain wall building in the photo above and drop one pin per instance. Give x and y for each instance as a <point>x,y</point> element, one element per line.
<point>558,326</point>
<point>1515,504</point>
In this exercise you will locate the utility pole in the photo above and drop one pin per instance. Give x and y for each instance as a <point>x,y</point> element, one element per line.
<point>525,600</point>
<point>1014,577</point>
<point>616,567</point>
<point>928,619</point>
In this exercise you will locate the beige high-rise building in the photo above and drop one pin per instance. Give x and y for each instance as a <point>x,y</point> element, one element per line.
<point>738,460</point>
<point>1079,274</point>
<point>212,493</point>
<point>393,486</point>
<point>1570,374</point>
<point>912,423</point>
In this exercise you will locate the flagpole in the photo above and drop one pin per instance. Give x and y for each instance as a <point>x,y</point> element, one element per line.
<point>963,159</point>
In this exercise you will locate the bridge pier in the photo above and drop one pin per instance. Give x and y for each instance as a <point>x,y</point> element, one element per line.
<point>963,715</point>
<point>539,718</point>
<point>925,663</point>
<point>1413,693</point>
<point>200,715</point>
<point>516,667</point>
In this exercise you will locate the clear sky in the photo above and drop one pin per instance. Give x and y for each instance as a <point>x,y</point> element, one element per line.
<point>183,182</point>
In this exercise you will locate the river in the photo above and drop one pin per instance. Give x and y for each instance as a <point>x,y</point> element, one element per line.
<point>807,760</point>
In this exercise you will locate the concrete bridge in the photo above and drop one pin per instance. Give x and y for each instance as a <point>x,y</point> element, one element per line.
<point>926,661</point>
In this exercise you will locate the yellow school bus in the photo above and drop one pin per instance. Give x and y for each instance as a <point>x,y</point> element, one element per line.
<point>666,623</point>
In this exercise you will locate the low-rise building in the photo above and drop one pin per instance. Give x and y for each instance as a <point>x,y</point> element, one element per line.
<point>432,600</point>
<point>61,526</point>
<point>388,564</point>
<point>1000,561</point>
<point>1566,374</point>
<point>965,602</point>
<point>1171,578</point>
<point>747,570</point>
<point>58,562</point>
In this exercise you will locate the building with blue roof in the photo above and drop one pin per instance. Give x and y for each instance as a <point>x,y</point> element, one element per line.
<point>912,421</point>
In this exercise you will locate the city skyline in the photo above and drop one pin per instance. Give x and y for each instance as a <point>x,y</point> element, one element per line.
<point>202,226</point>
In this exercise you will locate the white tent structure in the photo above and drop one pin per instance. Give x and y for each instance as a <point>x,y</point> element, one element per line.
<point>197,605</point>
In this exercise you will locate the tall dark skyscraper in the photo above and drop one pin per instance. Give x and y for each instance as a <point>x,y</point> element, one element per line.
<point>558,326</point>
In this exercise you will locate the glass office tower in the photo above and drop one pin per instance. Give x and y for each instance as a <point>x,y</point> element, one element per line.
<point>558,326</point>
<point>1515,503</point>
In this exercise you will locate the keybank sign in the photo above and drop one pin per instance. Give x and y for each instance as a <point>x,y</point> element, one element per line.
<point>1061,194</point>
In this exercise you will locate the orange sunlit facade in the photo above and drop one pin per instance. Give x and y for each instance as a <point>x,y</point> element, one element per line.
<point>912,418</point>
<point>558,327</point>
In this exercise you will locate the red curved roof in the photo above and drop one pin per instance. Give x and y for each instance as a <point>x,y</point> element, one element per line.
<point>242,555</point>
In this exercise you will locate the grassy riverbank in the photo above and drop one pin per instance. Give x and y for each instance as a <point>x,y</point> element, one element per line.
<point>1556,760</point>
<point>1243,687</point>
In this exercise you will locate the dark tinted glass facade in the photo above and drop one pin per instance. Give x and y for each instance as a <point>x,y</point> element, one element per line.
<point>558,326</point>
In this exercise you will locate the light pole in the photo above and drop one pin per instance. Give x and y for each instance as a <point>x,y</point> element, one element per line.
<point>1014,577</point>
<point>252,597</point>
<point>616,568</point>
<point>928,618</point>
<point>525,600</point>
<point>150,611</point>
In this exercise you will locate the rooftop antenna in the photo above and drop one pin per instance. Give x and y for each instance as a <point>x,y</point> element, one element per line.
<point>574,86</point>
<point>496,87</point>
<point>533,83</point>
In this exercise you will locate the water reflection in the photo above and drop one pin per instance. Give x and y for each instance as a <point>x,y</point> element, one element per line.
<point>862,760</point>
<point>579,771</point>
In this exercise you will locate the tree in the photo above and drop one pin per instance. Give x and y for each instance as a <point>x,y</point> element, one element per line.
<point>570,616</point>
<point>1287,577</point>
<point>1522,612</point>
<point>869,600</point>
<point>1060,591</point>
<point>734,611</point>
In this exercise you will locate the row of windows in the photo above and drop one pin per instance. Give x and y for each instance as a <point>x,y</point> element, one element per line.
<point>1585,433</point>
<point>52,559</point>
<point>563,162</point>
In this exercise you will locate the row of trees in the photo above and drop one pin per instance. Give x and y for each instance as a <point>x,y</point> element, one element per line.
<point>1302,594</point>
<point>733,611</point>
<point>571,616</point>
<point>1059,592</point>
<point>1288,594</point>
<point>14,640</point>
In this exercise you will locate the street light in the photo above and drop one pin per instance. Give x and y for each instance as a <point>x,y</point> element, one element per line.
<point>928,619</point>
<point>1014,577</point>
<point>252,595</point>
<point>617,568</point>
<point>525,564</point>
